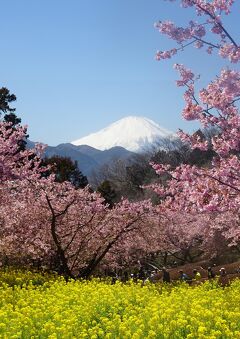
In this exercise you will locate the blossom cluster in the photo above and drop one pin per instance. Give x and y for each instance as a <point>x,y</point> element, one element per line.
<point>15,163</point>
<point>197,34</point>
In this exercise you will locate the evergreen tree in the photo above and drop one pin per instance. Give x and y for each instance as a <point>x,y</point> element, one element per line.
<point>6,98</point>
<point>65,169</point>
<point>107,192</point>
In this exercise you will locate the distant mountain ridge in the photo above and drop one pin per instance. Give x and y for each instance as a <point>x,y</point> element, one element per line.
<point>135,134</point>
<point>87,157</point>
<point>119,141</point>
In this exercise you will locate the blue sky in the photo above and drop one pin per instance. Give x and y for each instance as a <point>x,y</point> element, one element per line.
<point>78,65</point>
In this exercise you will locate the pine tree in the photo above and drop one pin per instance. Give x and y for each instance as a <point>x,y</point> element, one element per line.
<point>6,98</point>
<point>66,170</point>
<point>107,192</point>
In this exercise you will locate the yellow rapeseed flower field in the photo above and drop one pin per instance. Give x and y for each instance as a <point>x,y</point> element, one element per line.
<point>96,309</point>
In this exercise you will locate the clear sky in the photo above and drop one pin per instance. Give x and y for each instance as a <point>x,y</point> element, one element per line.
<point>78,65</point>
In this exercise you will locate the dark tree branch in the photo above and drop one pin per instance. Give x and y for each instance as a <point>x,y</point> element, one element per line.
<point>206,42</point>
<point>217,22</point>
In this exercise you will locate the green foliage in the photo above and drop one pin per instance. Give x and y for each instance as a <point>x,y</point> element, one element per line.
<point>5,99</point>
<point>66,169</point>
<point>18,277</point>
<point>9,116</point>
<point>107,192</point>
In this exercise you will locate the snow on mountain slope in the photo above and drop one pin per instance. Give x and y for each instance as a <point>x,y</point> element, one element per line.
<point>135,134</point>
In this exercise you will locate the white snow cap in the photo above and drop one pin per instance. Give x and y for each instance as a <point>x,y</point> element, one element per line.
<point>134,133</point>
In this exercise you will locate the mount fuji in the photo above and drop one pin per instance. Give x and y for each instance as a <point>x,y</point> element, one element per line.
<point>119,141</point>
<point>135,134</point>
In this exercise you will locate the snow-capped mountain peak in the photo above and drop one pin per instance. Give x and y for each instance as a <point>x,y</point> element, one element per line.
<point>134,133</point>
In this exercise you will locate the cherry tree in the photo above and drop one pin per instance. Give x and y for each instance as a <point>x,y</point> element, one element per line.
<point>214,189</point>
<point>183,235</point>
<point>55,223</point>
<point>15,163</point>
<point>66,228</point>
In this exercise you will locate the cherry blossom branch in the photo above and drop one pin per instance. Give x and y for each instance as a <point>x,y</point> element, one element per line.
<point>222,182</point>
<point>189,43</point>
<point>56,240</point>
<point>80,225</point>
<point>218,23</point>
<point>206,42</point>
